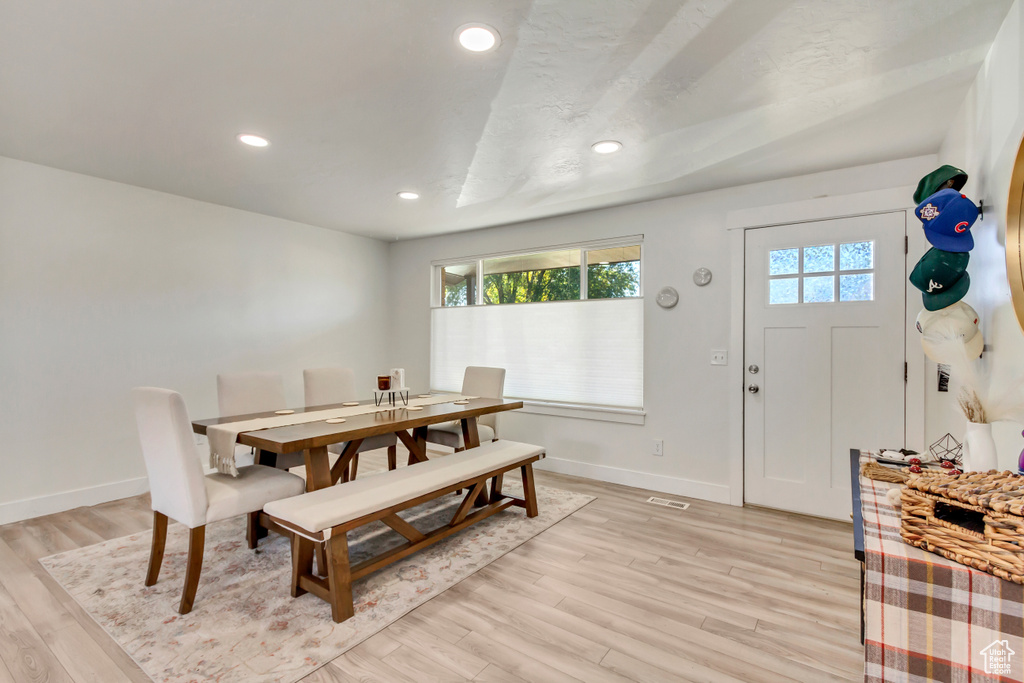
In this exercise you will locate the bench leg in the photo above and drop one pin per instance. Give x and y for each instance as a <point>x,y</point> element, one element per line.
<point>339,578</point>
<point>252,529</point>
<point>529,491</point>
<point>302,562</point>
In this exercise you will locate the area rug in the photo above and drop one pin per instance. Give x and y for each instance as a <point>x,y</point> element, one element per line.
<point>245,625</point>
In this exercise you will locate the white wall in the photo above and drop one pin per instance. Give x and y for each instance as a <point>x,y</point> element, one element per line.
<point>983,141</point>
<point>105,286</point>
<point>686,398</point>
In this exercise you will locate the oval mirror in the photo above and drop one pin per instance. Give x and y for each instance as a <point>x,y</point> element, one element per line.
<point>1015,235</point>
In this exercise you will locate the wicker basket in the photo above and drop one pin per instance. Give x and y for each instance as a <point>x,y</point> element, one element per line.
<point>973,518</point>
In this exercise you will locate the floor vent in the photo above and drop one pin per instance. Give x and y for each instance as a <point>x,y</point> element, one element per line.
<point>668,503</point>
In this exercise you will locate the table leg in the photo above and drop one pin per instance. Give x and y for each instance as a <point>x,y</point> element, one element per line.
<point>471,439</point>
<point>318,476</point>
<point>417,444</point>
<point>267,458</point>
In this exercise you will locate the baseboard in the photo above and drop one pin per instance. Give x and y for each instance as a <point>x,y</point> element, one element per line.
<point>17,510</point>
<point>716,493</point>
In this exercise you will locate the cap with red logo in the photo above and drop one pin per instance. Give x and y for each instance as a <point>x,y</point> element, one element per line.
<point>948,216</point>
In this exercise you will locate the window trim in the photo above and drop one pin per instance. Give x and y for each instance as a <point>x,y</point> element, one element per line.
<point>584,247</point>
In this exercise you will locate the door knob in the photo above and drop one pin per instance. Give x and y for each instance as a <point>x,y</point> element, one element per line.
<point>753,369</point>
<point>753,388</point>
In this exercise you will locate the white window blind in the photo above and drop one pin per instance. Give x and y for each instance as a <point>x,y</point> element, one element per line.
<point>579,352</point>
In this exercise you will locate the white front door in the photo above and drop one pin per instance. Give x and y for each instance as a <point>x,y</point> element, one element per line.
<point>824,326</point>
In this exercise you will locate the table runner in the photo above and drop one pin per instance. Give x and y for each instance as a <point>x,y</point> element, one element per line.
<point>929,618</point>
<point>222,437</point>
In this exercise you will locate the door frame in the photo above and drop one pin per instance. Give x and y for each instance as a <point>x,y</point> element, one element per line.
<point>809,211</point>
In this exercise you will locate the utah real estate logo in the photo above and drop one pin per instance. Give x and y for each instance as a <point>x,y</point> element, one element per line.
<point>997,658</point>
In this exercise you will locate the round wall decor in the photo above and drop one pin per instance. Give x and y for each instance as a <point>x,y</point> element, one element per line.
<point>1015,235</point>
<point>701,277</point>
<point>667,297</point>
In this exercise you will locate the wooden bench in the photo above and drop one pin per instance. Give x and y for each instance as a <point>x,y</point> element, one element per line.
<point>324,516</point>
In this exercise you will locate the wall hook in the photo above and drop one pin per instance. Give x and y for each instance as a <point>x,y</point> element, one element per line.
<point>981,209</point>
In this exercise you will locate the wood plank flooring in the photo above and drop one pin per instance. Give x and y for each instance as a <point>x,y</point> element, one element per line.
<point>620,591</point>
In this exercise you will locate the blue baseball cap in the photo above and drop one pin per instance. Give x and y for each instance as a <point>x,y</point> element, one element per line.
<point>948,216</point>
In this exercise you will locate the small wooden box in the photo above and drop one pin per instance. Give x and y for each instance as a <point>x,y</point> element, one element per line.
<point>975,518</point>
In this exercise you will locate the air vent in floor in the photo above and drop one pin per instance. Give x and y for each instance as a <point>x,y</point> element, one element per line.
<point>679,505</point>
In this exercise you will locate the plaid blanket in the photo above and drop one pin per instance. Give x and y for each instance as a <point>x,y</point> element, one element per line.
<point>929,618</point>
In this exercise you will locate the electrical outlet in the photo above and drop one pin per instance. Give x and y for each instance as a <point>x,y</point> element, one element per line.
<point>719,357</point>
<point>659,447</point>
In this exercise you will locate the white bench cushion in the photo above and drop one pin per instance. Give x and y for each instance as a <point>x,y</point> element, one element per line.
<point>329,507</point>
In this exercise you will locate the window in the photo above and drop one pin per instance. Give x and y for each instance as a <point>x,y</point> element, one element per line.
<point>565,333</point>
<point>458,284</point>
<point>810,274</point>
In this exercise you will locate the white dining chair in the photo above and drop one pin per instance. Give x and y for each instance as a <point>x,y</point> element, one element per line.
<point>483,383</point>
<point>244,393</point>
<point>324,386</point>
<point>181,492</point>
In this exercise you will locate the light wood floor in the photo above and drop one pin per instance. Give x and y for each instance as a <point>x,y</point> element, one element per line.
<point>620,591</point>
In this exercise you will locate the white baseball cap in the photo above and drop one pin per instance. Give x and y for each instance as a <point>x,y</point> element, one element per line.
<point>939,329</point>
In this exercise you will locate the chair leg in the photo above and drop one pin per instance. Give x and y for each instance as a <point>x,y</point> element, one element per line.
<point>339,578</point>
<point>353,466</point>
<point>392,457</point>
<point>302,562</point>
<point>156,551</point>
<point>196,542</point>
<point>529,491</point>
<point>252,529</point>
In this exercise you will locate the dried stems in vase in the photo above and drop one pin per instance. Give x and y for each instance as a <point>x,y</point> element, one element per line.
<point>970,405</point>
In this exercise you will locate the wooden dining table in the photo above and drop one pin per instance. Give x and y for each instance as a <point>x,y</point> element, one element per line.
<point>313,438</point>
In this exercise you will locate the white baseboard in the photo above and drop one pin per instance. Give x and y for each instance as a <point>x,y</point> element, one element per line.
<point>17,510</point>
<point>716,493</point>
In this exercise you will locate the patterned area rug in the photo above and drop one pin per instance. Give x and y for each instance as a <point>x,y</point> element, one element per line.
<point>245,625</point>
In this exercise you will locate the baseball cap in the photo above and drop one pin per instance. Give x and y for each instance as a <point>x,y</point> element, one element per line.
<point>948,216</point>
<point>931,183</point>
<point>956,323</point>
<point>942,277</point>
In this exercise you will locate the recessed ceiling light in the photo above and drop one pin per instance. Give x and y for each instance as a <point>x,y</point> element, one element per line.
<point>602,263</point>
<point>408,195</point>
<point>478,37</point>
<point>606,146</point>
<point>253,140</point>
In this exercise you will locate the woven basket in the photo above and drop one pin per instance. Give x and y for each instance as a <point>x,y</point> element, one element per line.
<point>974,519</point>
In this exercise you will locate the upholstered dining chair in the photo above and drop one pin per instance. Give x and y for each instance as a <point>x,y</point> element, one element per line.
<point>181,492</point>
<point>481,382</point>
<point>324,386</point>
<point>242,393</point>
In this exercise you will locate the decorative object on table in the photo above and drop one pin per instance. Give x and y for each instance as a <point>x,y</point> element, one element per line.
<point>392,393</point>
<point>974,518</point>
<point>701,277</point>
<point>946,330</point>
<point>1020,460</point>
<point>895,497</point>
<point>383,382</point>
<point>397,377</point>
<point>872,470</point>
<point>667,297</point>
<point>943,177</point>
<point>901,456</point>
<point>942,278</point>
<point>283,412</point>
<point>947,449</point>
<point>947,217</point>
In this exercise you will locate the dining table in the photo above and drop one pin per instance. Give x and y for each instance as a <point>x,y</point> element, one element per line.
<point>312,438</point>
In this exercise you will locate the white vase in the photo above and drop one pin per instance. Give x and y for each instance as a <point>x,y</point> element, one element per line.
<point>980,454</point>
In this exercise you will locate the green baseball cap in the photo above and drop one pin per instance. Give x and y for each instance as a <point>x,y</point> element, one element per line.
<point>931,183</point>
<point>942,278</point>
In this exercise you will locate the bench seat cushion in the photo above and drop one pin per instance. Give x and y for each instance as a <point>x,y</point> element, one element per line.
<point>329,507</point>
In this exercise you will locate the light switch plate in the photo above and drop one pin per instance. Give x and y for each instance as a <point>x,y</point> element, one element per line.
<point>719,357</point>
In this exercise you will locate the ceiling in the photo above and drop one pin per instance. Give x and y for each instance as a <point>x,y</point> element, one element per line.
<point>361,99</point>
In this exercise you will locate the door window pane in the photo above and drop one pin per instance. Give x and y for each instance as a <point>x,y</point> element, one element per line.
<point>857,287</point>
<point>613,273</point>
<point>785,290</point>
<point>819,259</point>
<point>857,256</point>
<point>784,262</point>
<point>819,289</point>
<point>458,284</point>
<point>524,278</point>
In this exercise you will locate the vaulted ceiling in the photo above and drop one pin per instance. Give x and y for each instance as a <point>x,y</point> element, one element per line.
<point>361,99</point>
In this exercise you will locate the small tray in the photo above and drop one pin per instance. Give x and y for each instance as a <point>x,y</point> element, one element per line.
<point>335,420</point>
<point>283,412</point>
